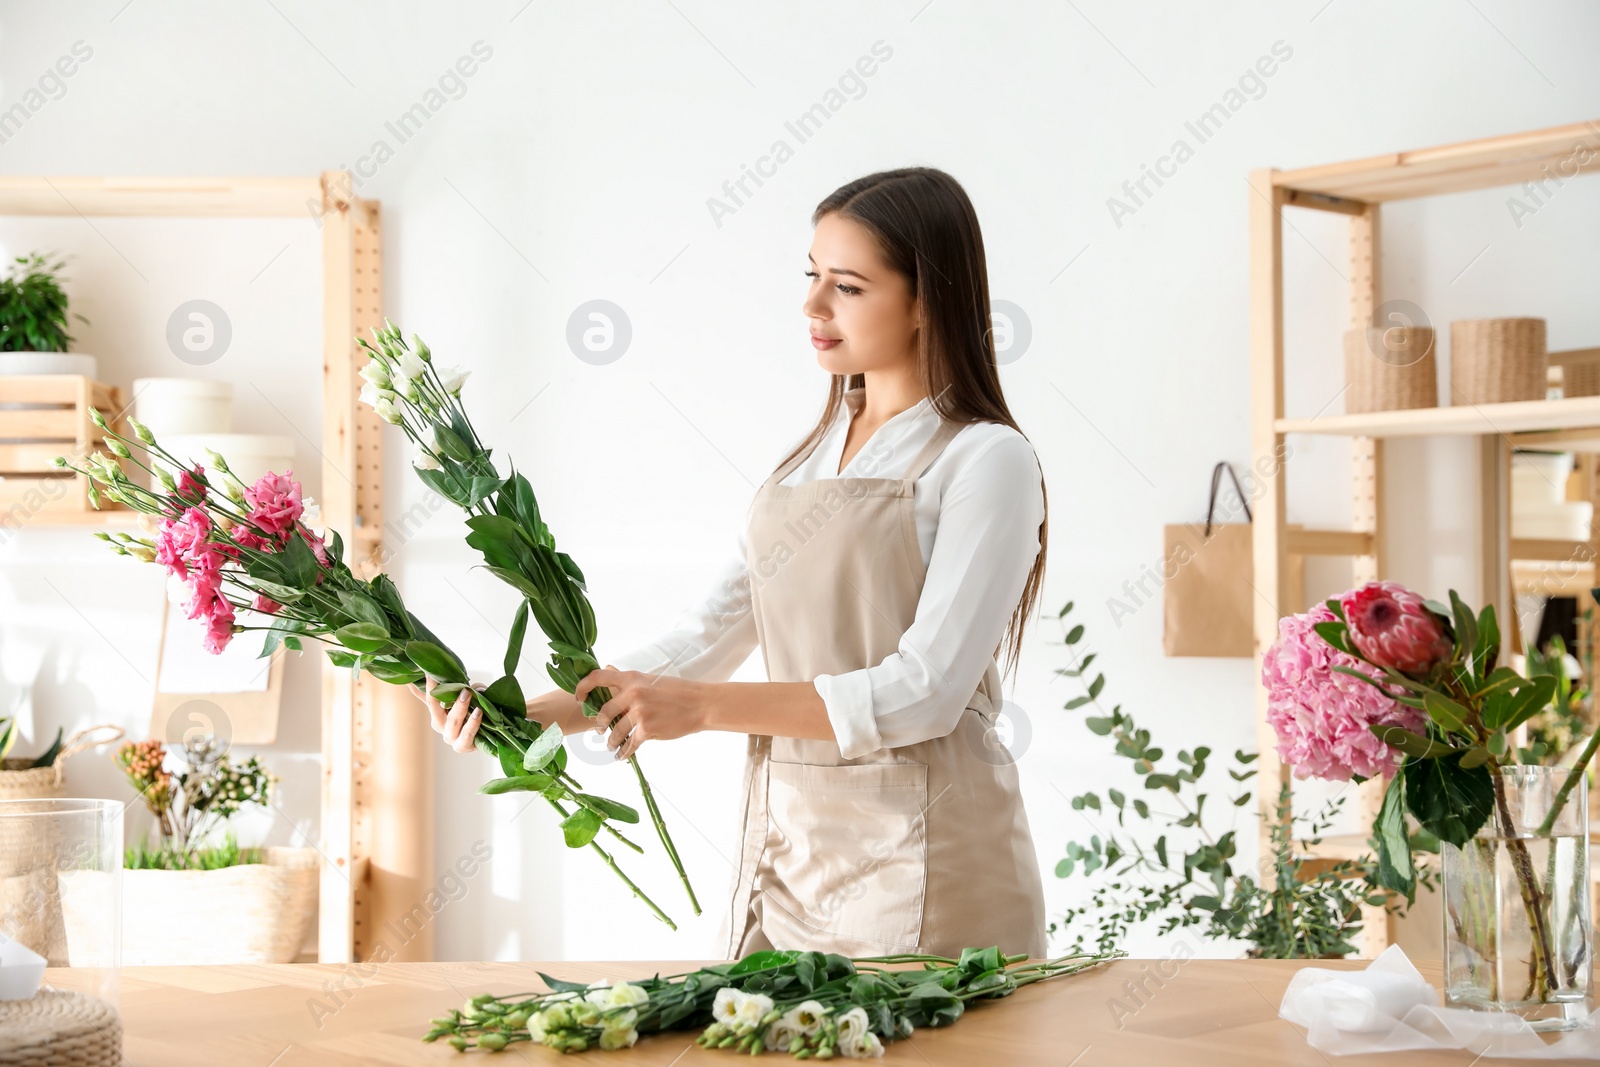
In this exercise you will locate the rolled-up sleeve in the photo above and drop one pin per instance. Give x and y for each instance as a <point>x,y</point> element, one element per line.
<point>708,641</point>
<point>986,542</point>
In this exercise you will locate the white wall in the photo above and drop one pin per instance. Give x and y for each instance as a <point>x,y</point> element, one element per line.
<point>577,164</point>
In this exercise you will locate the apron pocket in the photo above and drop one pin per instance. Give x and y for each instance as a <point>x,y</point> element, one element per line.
<point>849,858</point>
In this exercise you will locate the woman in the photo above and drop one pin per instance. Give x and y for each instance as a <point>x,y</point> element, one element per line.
<point>885,557</point>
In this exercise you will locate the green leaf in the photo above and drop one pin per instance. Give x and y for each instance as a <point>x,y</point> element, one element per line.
<point>363,609</point>
<point>1338,636</point>
<point>341,658</point>
<point>502,546</point>
<point>451,444</point>
<point>1398,737</point>
<point>441,482</point>
<point>437,661</point>
<point>283,594</point>
<point>1395,869</point>
<point>1474,757</point>
<point>580,827</point>
<point>531,783</point>
<point>1530,700</point>
<point>1450,801</point>
<point>610,808</point>
<point>49,756</point>
<point>363,637</point>
<point>505,694</point>
<point>543,749</point>
<point>517,581</point>
<point>519,628</point>
<point>1337,608</point>
<point>479,488</point>
<point>1487,651</point>
<point>1466,625</point>
<point>299,565</point>
<point>1444,711</point>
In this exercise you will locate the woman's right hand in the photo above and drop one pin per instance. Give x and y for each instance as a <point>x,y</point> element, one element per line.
<point>456,724</point>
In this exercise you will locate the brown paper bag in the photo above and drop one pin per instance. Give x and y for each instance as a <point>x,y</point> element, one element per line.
<point>1207,571</point>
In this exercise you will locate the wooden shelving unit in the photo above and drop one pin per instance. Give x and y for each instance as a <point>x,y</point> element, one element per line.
<point>377,770</point>
<point>1357,189</point>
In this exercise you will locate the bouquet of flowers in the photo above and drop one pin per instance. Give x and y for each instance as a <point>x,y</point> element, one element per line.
<point>1380,682</point>
<point>808,1004</point>
<point>252,549</point>
<point>408,390</point>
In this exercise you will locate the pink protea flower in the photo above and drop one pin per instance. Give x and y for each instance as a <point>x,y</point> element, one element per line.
<point>1321,716</point>
<point>1390,625</point>
<point>275,503</point>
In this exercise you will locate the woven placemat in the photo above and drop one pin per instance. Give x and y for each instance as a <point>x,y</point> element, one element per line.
<point>60,1028</point>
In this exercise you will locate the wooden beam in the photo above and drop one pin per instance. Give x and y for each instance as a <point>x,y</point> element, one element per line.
<point>1512,417</point>
<point>1331,542</point>
<point>1269,544</point>
<point>1557,153</point>
<point>158,196</point>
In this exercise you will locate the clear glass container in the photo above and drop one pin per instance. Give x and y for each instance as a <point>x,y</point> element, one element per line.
<point>61,889</point>
<point>1517,914</point>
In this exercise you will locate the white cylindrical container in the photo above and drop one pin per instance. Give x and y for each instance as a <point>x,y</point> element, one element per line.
<point>183,405</point>
<point>14,363</point>
<point>249,455</point>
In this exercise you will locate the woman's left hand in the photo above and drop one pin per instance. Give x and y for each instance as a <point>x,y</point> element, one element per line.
<point>644,707</point>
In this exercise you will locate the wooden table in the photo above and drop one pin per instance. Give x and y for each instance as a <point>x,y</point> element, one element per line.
<point>1168,1013</point>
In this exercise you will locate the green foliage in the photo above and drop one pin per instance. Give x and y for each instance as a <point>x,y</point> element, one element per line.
<point>33,307</point>
<point>1161,859</point>
<point>8,740</point>
<point>141,857</point>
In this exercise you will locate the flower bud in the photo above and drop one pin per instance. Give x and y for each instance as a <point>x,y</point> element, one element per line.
<point>422,349</point>
<point>141,431</point>
<point>165,477</point>
<point>217,462</point>
<point>492,1041</point>
<point>118,447</point>
<point>97,418</point>
<point>60,461</point>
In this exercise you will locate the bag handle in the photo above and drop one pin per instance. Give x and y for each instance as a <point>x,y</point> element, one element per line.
<point>1216,481</point>
<point>81,740</point>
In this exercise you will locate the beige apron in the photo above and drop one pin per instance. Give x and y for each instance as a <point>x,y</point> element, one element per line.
<point>923,848</point>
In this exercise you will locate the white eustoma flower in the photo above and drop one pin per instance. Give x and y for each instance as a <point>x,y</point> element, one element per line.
<point>725,1006</point>
<point>806,1017</point>
<point>617,1037</point>
<point>865,1047</point>
<point>409,367</point>
<point>753,1010</point>
<point>780,1033</point>
<point>536,1026</point>
<point>626,995</point>
<point>852,1024</point>
<point>375,373</point>
<point>452,378</point>
<point>369,395</point>
<point>312,514</point>
<point>386,411</point>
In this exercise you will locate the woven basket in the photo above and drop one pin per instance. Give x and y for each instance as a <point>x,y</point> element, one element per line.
<point>1580,371</point>
<point>248,913</point>
<point>1388,369</point>
<point>18,781</point>
<point>1493,361</point>
<point>59,1028</point>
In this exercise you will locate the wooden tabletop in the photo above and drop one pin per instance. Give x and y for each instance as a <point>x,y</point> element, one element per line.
<point>1132,1013</point>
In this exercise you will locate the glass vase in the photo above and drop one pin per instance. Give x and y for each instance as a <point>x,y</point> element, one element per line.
<point>1517,918</point>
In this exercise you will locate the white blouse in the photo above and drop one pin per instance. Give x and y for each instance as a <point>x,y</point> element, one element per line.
<point>978,507</point>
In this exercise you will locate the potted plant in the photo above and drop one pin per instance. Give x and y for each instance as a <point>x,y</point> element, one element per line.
<point>1381,681</point>
<point>190,898</point>
<point>34,320</point>
<point>34,777</point>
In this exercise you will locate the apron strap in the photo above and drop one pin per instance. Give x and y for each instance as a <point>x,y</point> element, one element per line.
<point>930,451</point>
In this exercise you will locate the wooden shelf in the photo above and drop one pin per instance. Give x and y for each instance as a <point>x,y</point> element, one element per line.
<point>1456,168</point>
<point>292,197</point>
<point>1574,418</point>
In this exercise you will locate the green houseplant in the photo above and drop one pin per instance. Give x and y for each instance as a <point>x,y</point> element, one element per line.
<point>33,307</point>
<point>196,896</point>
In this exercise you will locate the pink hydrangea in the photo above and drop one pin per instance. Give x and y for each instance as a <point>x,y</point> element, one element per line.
<point>1322,716</point>
<point>275,503</point>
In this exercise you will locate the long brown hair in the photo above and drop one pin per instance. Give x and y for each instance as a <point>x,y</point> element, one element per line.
<point>928,231</point>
